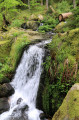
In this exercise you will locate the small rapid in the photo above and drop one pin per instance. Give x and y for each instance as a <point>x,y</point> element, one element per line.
<point>26,83</point>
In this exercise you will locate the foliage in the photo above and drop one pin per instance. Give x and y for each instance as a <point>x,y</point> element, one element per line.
<point>34,4</point>
<point>61,70</point>
<point>9,58</point>
<point>70,106</point>
<point>7,5</point>
<point>73,22</point>
<point>63,7</point>
<point>48,24</point>
<point>17,23</point>
<point>9,8</point>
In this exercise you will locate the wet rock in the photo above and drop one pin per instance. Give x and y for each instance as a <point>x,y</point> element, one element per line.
<point>20,109</point>
<point>24,26</point>
<point>33,25</point>
<point>42,116</point>
<point>4,105</point>
<point>19,100</point>
<point>19,118</point>
<point>24,108</point>
<point>6,90</point>
<point>20,113</point>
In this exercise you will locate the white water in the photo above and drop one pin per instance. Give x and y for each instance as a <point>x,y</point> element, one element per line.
<point>25,83</point>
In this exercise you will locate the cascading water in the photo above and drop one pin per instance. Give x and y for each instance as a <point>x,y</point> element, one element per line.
<point>25,83</point>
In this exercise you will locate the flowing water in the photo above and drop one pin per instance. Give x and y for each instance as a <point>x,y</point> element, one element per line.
<point>26,82</point>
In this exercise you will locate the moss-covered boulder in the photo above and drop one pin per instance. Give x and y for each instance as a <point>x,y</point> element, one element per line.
<point>33,25</point>
<point>12,44</point>
<point>60,27</point>
<point>33,17</point>
<point>38,17</point>
<point>69,110</point>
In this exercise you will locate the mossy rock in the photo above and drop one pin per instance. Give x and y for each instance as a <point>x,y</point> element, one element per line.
<point>69,110</point>
<point>62,67</point>
<point>38,17</point>
<point>33,17</point>
<point>60,26</point>
<point>33,25</point>
<point>12,46</point>
<point>4,49</point>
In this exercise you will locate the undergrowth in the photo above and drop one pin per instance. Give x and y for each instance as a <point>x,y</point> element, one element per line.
<point>62,70</point>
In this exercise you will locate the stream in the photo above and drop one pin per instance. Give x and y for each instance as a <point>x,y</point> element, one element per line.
<point>26,83</point>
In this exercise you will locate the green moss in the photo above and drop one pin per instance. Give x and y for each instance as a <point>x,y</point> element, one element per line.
<point>4,50</point>
<point>70,106</point>
<point>12,44</point>
<point>61,27</point>
<point>11,51</point>
<point>62,70</point>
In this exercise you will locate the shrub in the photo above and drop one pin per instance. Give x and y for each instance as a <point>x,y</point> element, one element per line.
<point>17,23</point>
<point>48,24</point>
<point>73,22</point>
<point>63,7</point>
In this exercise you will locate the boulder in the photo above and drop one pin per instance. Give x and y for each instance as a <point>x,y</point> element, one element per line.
<point>40,17</point>
<point>24,26</point>
<point>33,17</point>
<point>19,113</point>
<point>69,110</point>
<point>4,105</point>
<point>60,26</point>
<point>42,116</point>
<point>6,90</point>
<point>36,18</point>
<point>33,25</point>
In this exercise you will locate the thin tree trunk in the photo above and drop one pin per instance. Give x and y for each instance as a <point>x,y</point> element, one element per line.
<point>24,1</point>
<point>41,2</point>
<point>74,3</point>
<point>47,4</point>
<point>29,4</point>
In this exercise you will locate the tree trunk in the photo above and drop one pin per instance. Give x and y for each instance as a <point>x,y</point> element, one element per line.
<point>74,3</point>
<point>47,4</point>
<point>24,1</point>
<point>64,16</point>
<point>29,4</point>
<point>41,2</point>
<point>52,9</point>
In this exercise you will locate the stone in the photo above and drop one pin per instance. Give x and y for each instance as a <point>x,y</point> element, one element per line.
<point>19,113</point>
<point>33,25</point>
<point>6,90</point>
<point>33,17</point>
<point>40,17</point>
<point>69,110</point>
<point>4,105</point>
<point>42,116</point>
<point>19,100</point>
<point>24,26</point>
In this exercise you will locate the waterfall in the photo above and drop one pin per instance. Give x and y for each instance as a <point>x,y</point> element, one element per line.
<point>26,82</point>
